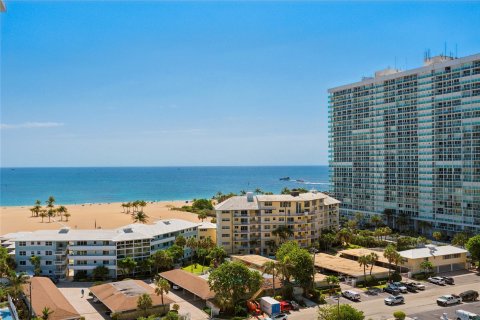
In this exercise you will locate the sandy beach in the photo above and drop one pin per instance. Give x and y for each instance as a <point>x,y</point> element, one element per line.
<point>85,216</point>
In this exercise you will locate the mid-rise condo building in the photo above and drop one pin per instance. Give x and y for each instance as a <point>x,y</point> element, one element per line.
<point>66,251</point>
<point>407,143</point>
<point>246,224</point>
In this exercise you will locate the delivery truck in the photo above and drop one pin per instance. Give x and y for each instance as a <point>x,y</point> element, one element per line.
<point>269,305</point>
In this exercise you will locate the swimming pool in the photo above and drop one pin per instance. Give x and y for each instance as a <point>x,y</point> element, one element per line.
<point>6,314</point>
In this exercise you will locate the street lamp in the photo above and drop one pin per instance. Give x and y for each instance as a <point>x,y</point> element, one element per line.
<point>30,307</point>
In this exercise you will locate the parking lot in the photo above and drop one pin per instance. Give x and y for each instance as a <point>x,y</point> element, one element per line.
<point>418,304</point>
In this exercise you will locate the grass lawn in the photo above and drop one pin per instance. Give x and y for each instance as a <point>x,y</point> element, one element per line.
<point>198,270</point>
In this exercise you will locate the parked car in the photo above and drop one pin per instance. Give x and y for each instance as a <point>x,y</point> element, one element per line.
<point>393,300</point>
<point>392,290</point>
<point>465,315</point>
<point>448,280</point>
<point>285,306</point>
<point>400,286</point>
<point>419,285</point>
<point>448,300</point>
<point>352,295</point>
<point>280,316</point>
<point>469,295</point>
<point>437,280</point>
<point>411,287</point>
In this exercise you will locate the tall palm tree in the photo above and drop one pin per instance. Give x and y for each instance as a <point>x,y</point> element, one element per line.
<point>161,287</point>
<point>390,254</point>
<point>162,260</point>
<point>62,210</point>
<point>202,215</point>
<point>50,202</point>
<point>128,205</point>
<point>271,267</point>
<point>243,192</point>
<point>332,281</point>
<point>16,283</point>
<point>50,214</point>
<point>373,258</point>
<point>364,261</point>
<point>124,205</point>
<point>376,220</point>
<point>141,217</point>
<point>142,204</point>
<point>35,261</point>
<point>283,233</point>
<point>344,236</point>
<point>43,214</point>
<point>67,215</point>
<point>46,312</point>
<point>192,243</point>
<point>258,191</point>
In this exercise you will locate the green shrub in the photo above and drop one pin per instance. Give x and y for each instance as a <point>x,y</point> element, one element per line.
<point>399,315</point>
<point>287,292</point>
<point>278,298</point>
<point>396,277</point>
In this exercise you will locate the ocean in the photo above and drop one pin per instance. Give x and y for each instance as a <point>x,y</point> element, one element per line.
<point>22,186</point>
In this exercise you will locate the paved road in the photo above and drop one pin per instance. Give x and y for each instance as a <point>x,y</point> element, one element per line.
<point>421,303</point>
<point>450,311</point>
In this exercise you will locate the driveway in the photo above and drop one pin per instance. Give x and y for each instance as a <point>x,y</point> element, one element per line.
<point>85,305</point>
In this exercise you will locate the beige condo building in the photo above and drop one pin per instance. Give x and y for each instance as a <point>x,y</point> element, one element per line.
<point>245,224</point>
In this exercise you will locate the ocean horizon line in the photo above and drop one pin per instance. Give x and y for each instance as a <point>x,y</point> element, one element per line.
<point>169,166</point>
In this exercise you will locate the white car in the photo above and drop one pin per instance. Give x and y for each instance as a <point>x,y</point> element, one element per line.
<point>437,280</point>
<point>465,315</point>
<point>448,299</point>
<point>419,285</point>
<point>401,287</point>
<point>392,300</point>
<point>352,295</point>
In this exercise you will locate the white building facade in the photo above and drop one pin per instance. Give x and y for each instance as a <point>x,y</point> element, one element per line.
<point>64,252</point>
<point>409,142</point>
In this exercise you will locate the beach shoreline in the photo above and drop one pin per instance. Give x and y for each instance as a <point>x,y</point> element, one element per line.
<point>89,216</point>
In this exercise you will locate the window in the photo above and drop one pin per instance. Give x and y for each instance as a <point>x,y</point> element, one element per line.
<point>32,243</point>
<point>267,234</point>
<point>48,243</point>
<point>105,243</point>
<point>38,243</point>
<point>268,203</point>
<point>81,243</point>
<point>105,253</point>
<point>22,243</point>
<point>105,262</point>
<point>225,235</point>
<point>225,227</point>
<point>48,253</point>
<point>23,263</point>
<point>22,253</point>
<point>225,219</point>
<point>225,243</point>
<point>48,263</point>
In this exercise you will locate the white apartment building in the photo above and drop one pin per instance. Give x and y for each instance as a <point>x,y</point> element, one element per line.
<point>245,223</point>
<point>409,141</point>
<point>65,251</point>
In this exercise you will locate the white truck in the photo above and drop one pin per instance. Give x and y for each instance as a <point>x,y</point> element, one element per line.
<point>448,300</point>
<point>465,315</point>
<point>269,305</point>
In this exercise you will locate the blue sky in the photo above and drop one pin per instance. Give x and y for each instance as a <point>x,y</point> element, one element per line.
<point>199,83</point>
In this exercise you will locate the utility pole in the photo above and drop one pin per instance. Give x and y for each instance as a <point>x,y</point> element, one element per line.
<point>30,311</point>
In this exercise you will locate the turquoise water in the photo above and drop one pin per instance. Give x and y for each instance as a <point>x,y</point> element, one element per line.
<point>6,314</point>
<point>22,186</point>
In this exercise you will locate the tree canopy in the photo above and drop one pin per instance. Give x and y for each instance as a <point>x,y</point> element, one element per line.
<point>473,246</point>
<point>233,281</point>
<point>344,312</point>
<point>300,262</point>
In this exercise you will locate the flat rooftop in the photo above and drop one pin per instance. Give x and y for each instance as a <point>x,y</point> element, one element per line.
<point>252,259</point>
<point>364,252</point>
<point>431,251</point>
<point>344,266</point>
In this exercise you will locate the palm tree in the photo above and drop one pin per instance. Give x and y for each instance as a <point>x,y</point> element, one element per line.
<point>437,235</point>
<point>161,287</point>
<point>192,243</point>
<point>426,266</point>
<point>16,283</point>
<point>284,268</point>
<point>62,210</point>
<point>124,205</point>
<point>258,191</point>
<point>38,207</point>
<point>373,258</point>
<point>50,214</point>
<point>285,191</point>
<point>180,241</point>
<point>142,204</point>
<point>271,267</point>
<point>344,236</point>
<point>390,253</point>
<point>376,220</point>
<point>243,192</point>
<point>43,214</point>
<point>126,265</point>
<point>364,261</point>
<point>388,215</point>
<point>283,233</point>
<point>67,215</point>
<point>46,312</point>
<point>206,244</point>
<point>50,202</point>
<point>128,205</point>
<point>141,217</point>
<point>35,261</point>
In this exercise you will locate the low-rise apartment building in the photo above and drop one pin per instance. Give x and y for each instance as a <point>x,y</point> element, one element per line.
<point>246,224</point>
<point>65,251</point>
<point>443,258</point>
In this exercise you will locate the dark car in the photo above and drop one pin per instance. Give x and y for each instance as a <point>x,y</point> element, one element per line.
<point>392,290</point>
<point>469,295</point>
<point>448,280</point>
<point>411,287</point>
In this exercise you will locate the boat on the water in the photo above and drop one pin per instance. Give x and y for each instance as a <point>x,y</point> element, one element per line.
<point>285,178</point>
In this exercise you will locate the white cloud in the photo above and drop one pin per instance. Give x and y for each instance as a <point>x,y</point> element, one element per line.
<point>30,125</point>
